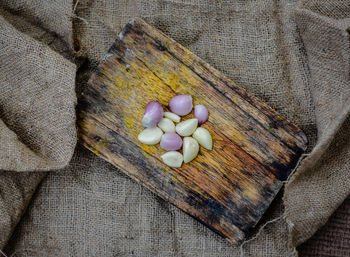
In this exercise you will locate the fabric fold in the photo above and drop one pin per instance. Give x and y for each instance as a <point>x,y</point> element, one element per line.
<point>37,103</point>
<point>294,58</point>
<point>323,176</point>
<point>16,192</point>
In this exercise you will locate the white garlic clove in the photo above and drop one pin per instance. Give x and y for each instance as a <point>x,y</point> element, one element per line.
<point>190,149</point>
<point>187,127</point>
<point>172,116</point>
<point>203,137</point>
<point>166,125</point>
<point>150,136</point>
<point>173,159</point>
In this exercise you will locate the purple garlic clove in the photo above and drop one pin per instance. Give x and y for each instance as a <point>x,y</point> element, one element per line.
<point>171,141</point>
<point>153,114</point>
<point>201,113</point>
<point>181,104</point>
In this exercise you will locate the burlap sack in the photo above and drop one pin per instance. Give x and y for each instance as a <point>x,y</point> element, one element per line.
<point>323,178</point>
<point>333,238</point>
<point>292,55</point>
<point>37,117</point>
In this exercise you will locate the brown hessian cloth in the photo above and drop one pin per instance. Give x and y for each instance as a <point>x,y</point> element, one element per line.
<point>59,199</point>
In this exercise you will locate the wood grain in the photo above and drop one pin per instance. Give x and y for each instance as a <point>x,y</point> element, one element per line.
<point>254,148</point>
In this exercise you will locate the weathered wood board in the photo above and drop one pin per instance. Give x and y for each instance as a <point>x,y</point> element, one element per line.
<point>254,148</point>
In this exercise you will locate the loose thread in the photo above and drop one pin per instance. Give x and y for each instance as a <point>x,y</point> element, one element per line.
<point>74,15</point>
<point>80,18</point>
<point>3,253</point>
<point>302,157</point>
<point>257,234</point>
<point>75,5</point>
<point>294,253</point>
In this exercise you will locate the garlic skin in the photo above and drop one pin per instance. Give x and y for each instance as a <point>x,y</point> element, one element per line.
<point>190,149</point>
<point>172,159</point>
<point>181,104</point>
<point>201,113</point>
<point>172,116</point>
<point>166,125</point>
<point>150,136</point>
<point>153,114</point>
<point>187,127</point>
<point>203,137</point>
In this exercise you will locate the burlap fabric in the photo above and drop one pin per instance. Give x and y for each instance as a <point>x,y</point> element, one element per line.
<point>333,238</point>
<point>291,54</point>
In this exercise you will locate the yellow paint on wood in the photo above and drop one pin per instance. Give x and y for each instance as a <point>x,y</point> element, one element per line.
<point>254,148</point>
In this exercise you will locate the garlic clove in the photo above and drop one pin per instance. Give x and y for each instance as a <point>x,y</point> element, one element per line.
<point>172,116</point>
<point>166,125</point>
<point>190,149</point>
<point>171,141</point>
<point>181,104</point>
<point>187,127</point>
<point>201,113</point>
<point>150,136</point>
<point>173,159</point>
<point>203,137</point>
<point>153,114</point>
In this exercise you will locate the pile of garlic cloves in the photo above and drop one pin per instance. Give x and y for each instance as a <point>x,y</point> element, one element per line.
<point>161,128</point>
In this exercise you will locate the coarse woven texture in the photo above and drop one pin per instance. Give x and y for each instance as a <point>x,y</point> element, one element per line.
<point>17,190</point>
<point>293,55</point>
<point>93,210</point>
<point>37,98</point>
<point>327,45</point>
<point>332,239</point>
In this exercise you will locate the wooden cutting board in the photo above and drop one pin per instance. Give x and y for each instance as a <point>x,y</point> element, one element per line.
<point>254,148</point>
